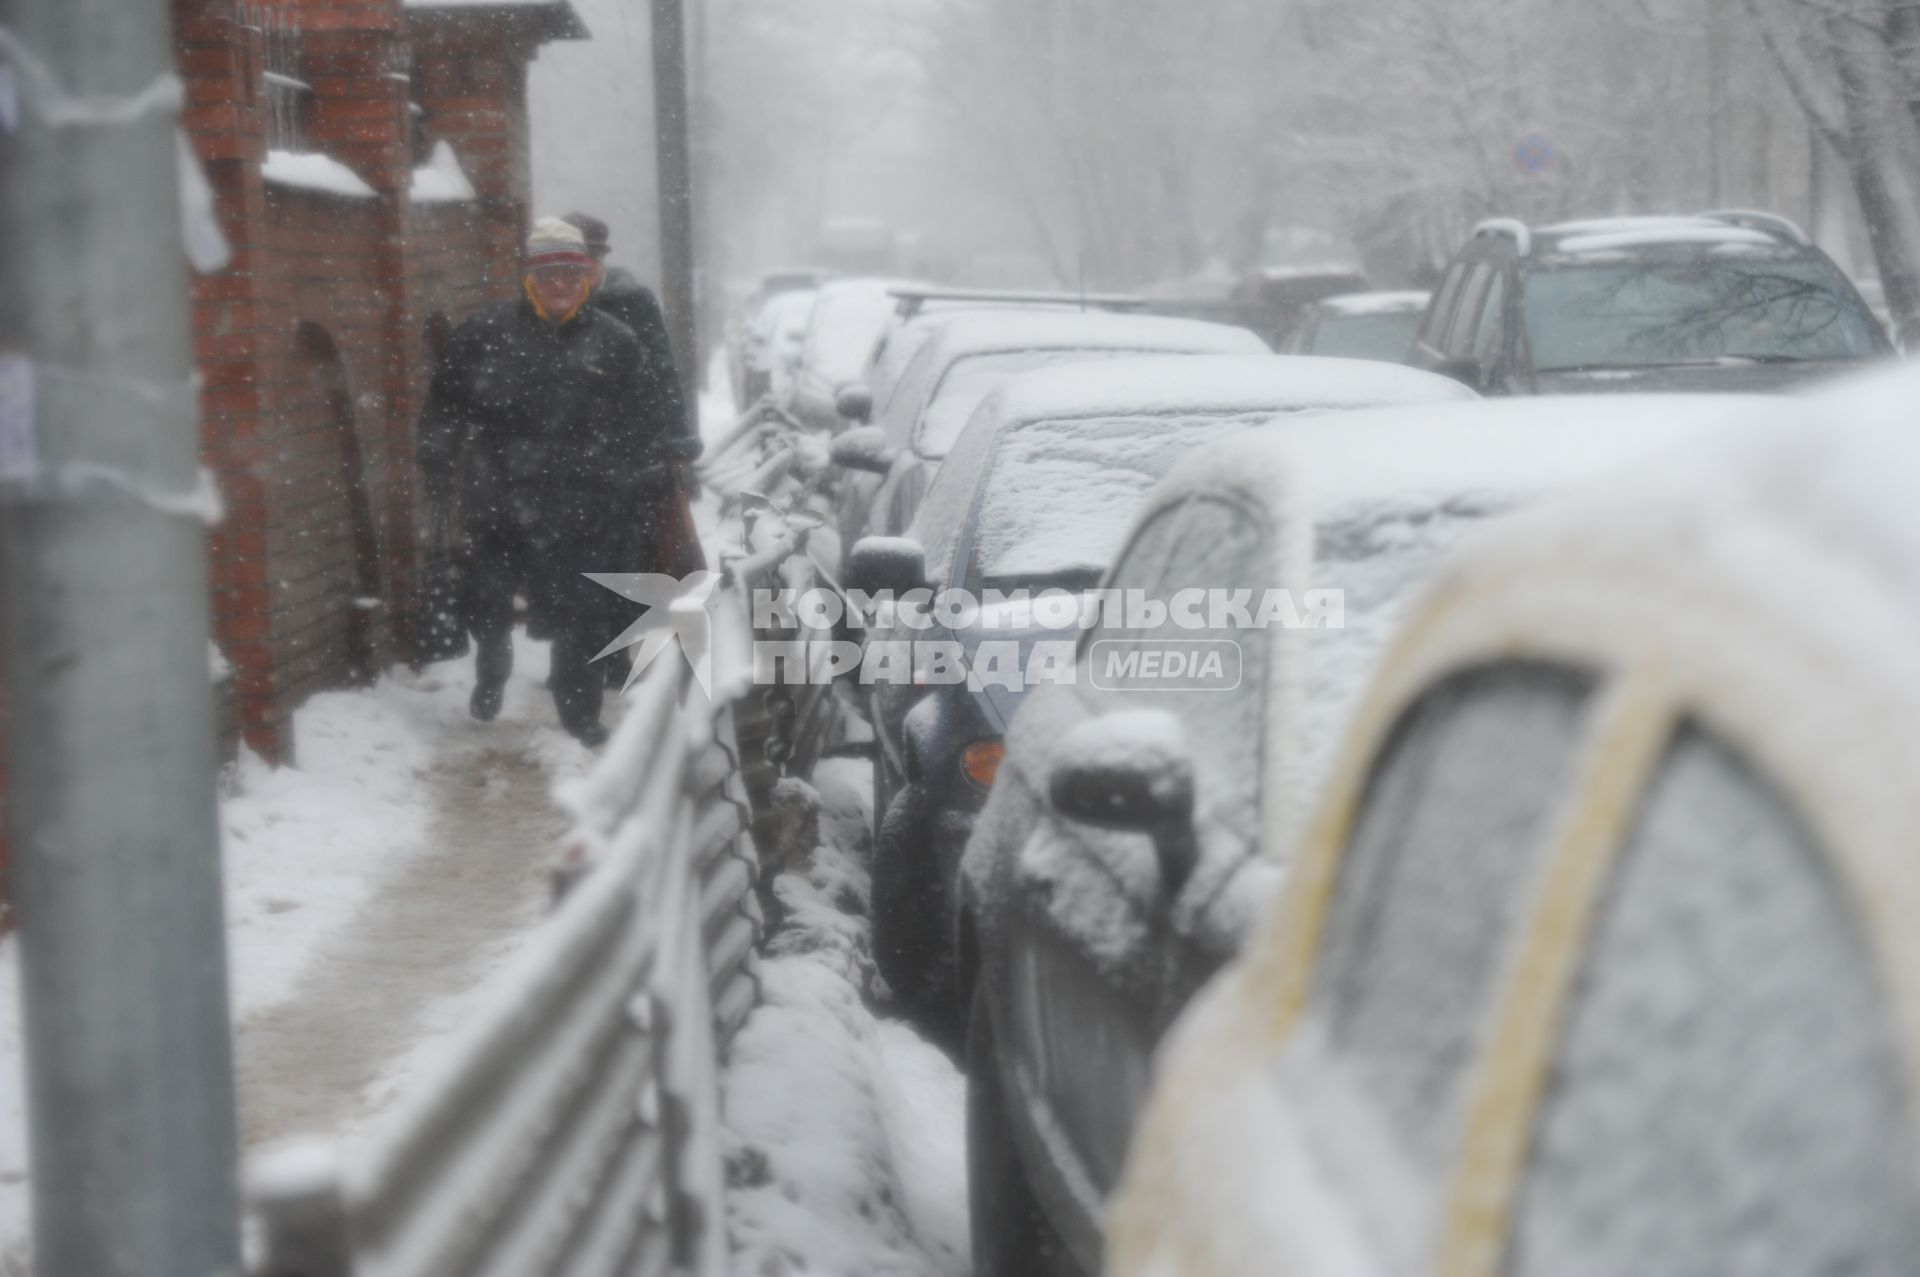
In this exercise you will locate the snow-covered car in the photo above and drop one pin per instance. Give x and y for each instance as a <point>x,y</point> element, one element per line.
<point>773,346</point>
<point>848,317</point>
<point>968,356</point>
<point>1729,301</point>
<point>1035,496</point>
<point>1360,326</point>
<point>1597,956</point>
<point>1118,861</point>
<point>923,310</point>
<point>921,314</point>
<point>742,328</point>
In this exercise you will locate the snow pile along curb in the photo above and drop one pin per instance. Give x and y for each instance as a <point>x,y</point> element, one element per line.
<point>843,1132</point>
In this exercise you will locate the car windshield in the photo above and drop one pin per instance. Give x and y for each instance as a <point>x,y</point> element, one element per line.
<point>1644,314</point>
<point>970,379</point>
<point>1387,337</point>
<point>1060,495</point>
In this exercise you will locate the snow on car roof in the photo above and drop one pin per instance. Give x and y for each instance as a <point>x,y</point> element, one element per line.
<point>1144,385</point>
<point>847,318</point>
<point>1706,233</point>
<point>1130,415</point>
<point>1375,499</point>
<point>1378,303</point>
<point>1832,470</point>
<point>1625,225</point>
<point>971,332</point>
<point>1439,450</point>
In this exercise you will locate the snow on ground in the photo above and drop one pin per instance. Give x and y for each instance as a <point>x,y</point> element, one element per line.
<point>844,1132</point>
<point>371,887</point>
<point>375,884</point>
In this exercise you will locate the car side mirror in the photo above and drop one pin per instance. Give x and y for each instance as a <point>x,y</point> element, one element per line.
<point>1132,771</point>
<point>893,565</point>
<point>854,402</point>
<point>862,448</point>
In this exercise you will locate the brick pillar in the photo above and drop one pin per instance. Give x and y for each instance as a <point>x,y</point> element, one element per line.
<point>355,53</point>
<point>238,314</point>
<point>471,78</point>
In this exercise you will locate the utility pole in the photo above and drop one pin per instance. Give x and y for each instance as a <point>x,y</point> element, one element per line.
<point>1718,116</point>
<point>115,876</point>
<point>674,165</point>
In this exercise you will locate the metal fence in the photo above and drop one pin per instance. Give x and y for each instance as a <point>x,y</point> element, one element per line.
<point>573,1130</point>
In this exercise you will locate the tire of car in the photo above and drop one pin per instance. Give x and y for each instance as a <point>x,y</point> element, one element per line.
<point>909,917</point>
<point>1011,1238</point>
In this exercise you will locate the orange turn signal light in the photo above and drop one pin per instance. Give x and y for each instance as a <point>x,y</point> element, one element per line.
<point>981,761</point>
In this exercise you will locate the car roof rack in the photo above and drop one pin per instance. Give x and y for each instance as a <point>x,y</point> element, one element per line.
<point>1755,220</point>
<point>912,299</point>
<point>1512,228</point>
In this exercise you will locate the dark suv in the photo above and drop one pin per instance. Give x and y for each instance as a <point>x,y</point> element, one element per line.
<point>1717,301</point>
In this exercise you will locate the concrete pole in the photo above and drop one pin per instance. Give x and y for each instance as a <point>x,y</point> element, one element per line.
<point>1719,120</point>
<point>674,164</point>
<point>116,875</point>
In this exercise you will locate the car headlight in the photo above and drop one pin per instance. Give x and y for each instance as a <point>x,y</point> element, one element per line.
<point>981,761</point>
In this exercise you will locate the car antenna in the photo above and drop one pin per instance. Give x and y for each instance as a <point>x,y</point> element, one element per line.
<point>1083,278</point>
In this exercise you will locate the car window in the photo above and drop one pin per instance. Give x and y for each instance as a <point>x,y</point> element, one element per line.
<point>1460,331</point>
<point>1726,1097</point>
<point>967,381</point>
<point>910,394</point>
<point>1435,326</point>
<point>1387,337</point>
<point>1206,545</point>
<point>1486,336</point>
<point>1058,496</point>
<point>1639,314</point>
<point>1445,841</point>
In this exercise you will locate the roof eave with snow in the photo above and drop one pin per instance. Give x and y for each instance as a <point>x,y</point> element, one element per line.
<point>551,19</point>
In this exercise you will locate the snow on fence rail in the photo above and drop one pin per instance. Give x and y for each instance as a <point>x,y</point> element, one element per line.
<point>574,1128</point>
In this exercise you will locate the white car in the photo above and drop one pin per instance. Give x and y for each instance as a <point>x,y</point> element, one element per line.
<point>1037,495</point>
<point>1598,956</point>
<point>967,356</point>
<point>848,317</point>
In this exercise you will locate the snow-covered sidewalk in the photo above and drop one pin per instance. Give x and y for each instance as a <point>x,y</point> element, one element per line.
<point>370,890</point>
<point>374,886</point>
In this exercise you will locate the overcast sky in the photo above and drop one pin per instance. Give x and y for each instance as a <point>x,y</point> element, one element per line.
<point>592,104</point>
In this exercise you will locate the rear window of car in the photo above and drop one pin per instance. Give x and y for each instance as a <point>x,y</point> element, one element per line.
<point>1727,1097</point>
<point>971,379</point>
<point>1387,337</point>
<point>1701,309</point>
<point>1059,496</point>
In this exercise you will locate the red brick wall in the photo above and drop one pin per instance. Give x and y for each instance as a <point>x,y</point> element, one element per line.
<point>239,315</point>
<point>314,345</point>
<point>470,75</point>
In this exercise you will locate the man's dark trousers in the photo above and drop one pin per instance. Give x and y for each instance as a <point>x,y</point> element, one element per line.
<point>501,560</point>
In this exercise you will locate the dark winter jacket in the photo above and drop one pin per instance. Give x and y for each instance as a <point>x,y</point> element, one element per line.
<point>551,440</point>
<point>541,416</point>
<point>632,303</point>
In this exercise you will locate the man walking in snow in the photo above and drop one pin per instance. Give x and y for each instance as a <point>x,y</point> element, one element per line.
<point>539,423</point>
<point>667,543</point>
<point>675,549</point>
